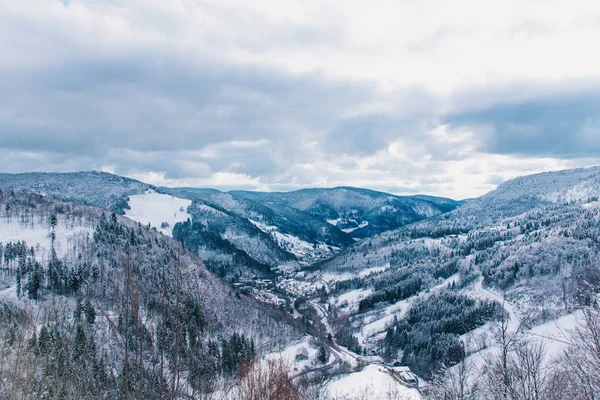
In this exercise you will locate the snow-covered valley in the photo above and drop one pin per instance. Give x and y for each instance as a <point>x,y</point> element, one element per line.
<point>390,315</point>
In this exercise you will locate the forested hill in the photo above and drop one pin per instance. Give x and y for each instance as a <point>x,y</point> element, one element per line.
<point>94,188</point>
<point>241,233</point>
<point>532,245</point>
<point>358,212</point>
<point>534,194</point>
<point>94,305</point>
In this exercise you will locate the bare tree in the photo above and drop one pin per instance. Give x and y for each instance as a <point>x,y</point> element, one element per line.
<point>578,368</point>
<point>266,380</point>
<point>529,376</point>
<point>498,376</point>
<point>461,382</point>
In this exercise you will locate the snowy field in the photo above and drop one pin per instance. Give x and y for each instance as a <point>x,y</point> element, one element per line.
<point>299,356</point>
<point>373,382</point>
<point>161,211</point>
<point>37,235</point>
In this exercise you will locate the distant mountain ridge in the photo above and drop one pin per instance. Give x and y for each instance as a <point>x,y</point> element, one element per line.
<point>359,212</point>
<point>241,232</point>
<point>96,188</point>
<point>511,199</point>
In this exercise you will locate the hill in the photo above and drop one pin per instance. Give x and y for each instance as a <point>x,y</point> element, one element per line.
<point>528,249</point>
<point>94,305</point>
<point>359,212</point>
<point>241,233</point>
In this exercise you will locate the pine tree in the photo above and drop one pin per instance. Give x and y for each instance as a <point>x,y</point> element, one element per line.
<point>33,285</point>
<point>89,311</point>
<point>80,343</point>
<point>322,357</point>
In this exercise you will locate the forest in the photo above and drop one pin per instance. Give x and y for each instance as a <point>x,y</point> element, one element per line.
<point>117,311</point>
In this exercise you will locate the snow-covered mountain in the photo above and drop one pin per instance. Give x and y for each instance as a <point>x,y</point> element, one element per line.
<point>531,244</point>
<point>95,188</point>
<point>359,212</point>
<point>427,294</point>
<point>270,235</point>
<point>240,233</point>
<point>90,299</point>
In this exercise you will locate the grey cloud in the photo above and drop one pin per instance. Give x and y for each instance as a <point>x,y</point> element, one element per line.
<point>560,125</point>
<point>148,106</point>
<point>146,103</point>
<point>366,134</point>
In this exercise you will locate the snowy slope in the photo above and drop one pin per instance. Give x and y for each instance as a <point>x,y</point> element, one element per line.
<point>36,234</point>
<point>293,244</point>
<point>300,356</point>
<point>373,382</point>
<point>161,211</point>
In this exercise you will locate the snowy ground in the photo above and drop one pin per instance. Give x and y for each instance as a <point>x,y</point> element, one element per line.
<point>300,356</point>
<point>361,225</point>
<point>37,235</point>
<point>353,297</point>
<point>373,270</point>
<point>293,244</point>
<point>555,333</point>
<point>156,209</point>
<point>373,382</point>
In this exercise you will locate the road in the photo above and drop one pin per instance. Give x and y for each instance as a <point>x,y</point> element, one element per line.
<point>341,354</point>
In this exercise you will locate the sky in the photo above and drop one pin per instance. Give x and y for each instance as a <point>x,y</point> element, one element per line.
<point>436,97</point>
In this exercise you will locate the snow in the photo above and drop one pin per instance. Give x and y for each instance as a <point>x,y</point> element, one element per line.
<point>156,208</point>
<point>9,295</point>
<point>362,225</point>
<point>355,296</point>
<point>555,333</point>
<point>477,291</point>
<point>337,277</point>
<point>289,354</point>
<point>37,235</point>
<point>373,382</point>
<point>207,208</point>
<point>333,222</point>
<point>579,192</point>
<point>426,210</point>
<point>293,244</point>
<point>376,323</point>
<point>368,271</point>
<point>263,227</point>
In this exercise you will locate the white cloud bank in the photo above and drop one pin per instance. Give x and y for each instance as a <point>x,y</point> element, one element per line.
<point>437,97</point>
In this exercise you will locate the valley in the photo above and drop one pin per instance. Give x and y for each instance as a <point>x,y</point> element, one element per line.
<point>383,313</point>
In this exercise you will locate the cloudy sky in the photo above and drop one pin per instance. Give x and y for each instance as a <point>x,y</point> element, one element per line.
<point>440,97</point>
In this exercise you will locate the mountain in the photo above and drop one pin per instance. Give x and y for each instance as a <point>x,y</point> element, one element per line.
<point>96,188</point>
<point>94,305</point>
<point>113,299</point>
<point>240,233</point>
<point>359,212</point>
<point>528,249</point>
<point>272,235</point>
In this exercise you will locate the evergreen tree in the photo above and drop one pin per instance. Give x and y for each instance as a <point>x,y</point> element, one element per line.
<point>322,357</point>
<point>89,311</point>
